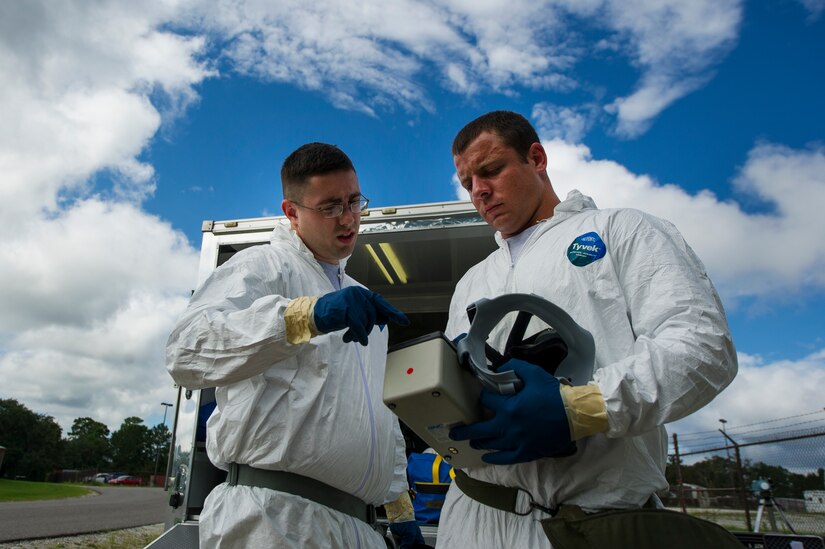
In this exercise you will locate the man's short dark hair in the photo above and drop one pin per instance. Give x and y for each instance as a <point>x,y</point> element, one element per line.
<point>310,160</point>
<point>515,130</point>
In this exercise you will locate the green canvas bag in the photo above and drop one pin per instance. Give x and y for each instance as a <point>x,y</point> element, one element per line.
<point>572,528</point>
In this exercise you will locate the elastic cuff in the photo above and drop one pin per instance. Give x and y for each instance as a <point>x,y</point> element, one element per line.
<point>586,411</point>
<point>400,510</point>
<point>299,320</point>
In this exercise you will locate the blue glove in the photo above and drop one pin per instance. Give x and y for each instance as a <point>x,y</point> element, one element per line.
<point>528,425</point>
<point>408,534</point>
<point>355,308</point>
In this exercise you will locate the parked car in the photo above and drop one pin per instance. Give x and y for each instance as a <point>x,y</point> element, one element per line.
<point>126,480</point>
<point>103,478</point>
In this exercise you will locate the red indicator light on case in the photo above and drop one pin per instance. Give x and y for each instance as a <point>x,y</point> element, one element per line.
<point>409,371</point>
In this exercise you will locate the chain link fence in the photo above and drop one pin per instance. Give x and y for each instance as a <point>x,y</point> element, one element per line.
<point>751,482</point>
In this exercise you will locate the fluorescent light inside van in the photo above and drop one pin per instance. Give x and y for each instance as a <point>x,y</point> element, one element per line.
<point>394,262</point>
<point>379,263</point>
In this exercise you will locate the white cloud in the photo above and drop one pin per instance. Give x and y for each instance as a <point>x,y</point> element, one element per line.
<point>459,191</point>
<point>377,55</point>
<point>675,44</point>
<point>109,370</point>
<point>756,405</point>
<point>83,264</point>
<point>89,283</point>
<point>77,96</point>
<point>814,7</point>
<point>516,43</point>
<point>89,297</point>
<point>569,124</point>
<point>745,253</point>
<point>764,391</point>
<point>656,92</point>
<point>360,55</point>
<point>382,54</point>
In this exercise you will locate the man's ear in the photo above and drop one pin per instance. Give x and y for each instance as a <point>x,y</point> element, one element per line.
<point>290,211</point>
<point>538,156</point>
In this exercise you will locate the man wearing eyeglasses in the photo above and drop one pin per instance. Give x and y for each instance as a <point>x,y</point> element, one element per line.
<point>296,350</point>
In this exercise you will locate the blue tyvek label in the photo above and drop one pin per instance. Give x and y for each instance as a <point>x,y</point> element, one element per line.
<point>586,249</point>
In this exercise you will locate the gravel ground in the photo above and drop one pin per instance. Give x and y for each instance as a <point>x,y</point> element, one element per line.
<point>130,538</point>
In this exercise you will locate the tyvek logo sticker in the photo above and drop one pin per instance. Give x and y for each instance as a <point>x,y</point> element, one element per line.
<point>586,249</point>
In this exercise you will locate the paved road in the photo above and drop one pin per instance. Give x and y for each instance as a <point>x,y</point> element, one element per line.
<point>114,508</point>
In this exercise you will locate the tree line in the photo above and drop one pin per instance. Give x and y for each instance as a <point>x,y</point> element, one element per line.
<point>36,448</point>
<point>722,472</point>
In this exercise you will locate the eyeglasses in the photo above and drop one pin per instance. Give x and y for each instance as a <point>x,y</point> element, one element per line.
<point>335,210</point>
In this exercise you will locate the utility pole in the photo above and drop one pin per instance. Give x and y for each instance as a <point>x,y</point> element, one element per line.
<point>679,473</point>
<point>724,434</point>
<point>741,478</point>
<point>166,407</point>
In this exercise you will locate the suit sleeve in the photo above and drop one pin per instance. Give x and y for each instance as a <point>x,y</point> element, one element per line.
<point>683,354</point>
<point>233,328</point>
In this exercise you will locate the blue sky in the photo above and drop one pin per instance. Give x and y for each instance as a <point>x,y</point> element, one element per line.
<point>125,127</point>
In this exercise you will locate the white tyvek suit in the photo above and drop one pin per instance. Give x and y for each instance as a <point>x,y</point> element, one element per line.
<point>313,409</point>
<point>663,350</point>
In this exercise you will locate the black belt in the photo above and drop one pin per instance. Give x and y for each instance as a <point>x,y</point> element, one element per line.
<point>302,486</point>
<point>498,497</point>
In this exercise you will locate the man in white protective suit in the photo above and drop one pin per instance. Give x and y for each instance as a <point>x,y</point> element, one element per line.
<point>296,350</point>
<point>663,350</point>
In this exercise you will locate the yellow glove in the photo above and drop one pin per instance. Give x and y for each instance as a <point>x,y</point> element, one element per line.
<point>400,510</point>
<point>300,320</point>
<point>586,411</point>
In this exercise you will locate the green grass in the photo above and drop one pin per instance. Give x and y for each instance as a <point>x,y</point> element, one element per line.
<point>130,538</point>
<point>23,490</point>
